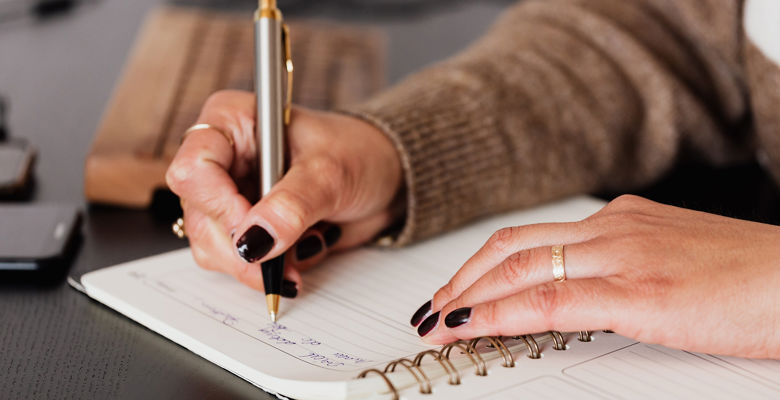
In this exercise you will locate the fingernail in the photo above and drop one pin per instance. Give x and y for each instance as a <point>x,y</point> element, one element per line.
<point>420,313</point>
<point>254,244</point>
<point>332,235</point>
<point>427,326</point>
<point>458,317</point>
<point>289,289</point>
<point>308,247</point>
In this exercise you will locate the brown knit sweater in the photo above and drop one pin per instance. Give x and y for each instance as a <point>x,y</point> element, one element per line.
<point>573,96</point>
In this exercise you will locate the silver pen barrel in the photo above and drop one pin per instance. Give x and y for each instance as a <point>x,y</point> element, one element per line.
<point>269,130</point>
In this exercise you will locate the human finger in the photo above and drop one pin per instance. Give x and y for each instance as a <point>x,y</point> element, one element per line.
<point>325,238</point>
<point>526,269</point>
<point>212,250</point>
<point>583,304</point>
<point>501,245</point>
<point>308,193</point>
<point>199,171</point>
<point>309,251</point>
<point>205,185</point>
<point>357,233</point>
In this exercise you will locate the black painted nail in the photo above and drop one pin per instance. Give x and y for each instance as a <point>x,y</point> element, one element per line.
<point>427,326</point>
<point>458,317</point>
<point>332,235</point>
<point>254,244</point>
<point>308,247</point>
<point>289,289</point>
<point>420,313</point>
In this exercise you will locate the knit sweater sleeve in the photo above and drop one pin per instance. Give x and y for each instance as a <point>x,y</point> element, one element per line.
<point>563,97</point>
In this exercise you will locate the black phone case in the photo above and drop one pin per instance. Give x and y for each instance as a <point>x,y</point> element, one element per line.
<point>49,268</point>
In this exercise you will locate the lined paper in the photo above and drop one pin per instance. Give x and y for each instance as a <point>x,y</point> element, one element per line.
<point>353,314</point>
<point>652,371</point>
<point>545,387</point>
<point>340,328</point>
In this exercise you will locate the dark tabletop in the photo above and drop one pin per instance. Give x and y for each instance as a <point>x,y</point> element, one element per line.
<point>58,74</point>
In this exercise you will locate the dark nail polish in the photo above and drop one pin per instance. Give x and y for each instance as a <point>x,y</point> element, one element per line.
<point>289,289</point>
<point>427,326</point>
<point>421,313</point>
<point>332,235</point>
<point>308,248</point>
<point>458,317</point>
<point>254,244</point>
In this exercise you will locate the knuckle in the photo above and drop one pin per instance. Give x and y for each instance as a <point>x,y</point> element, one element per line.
<point>292,207</point>
<point>515,268</point>
<point>489,314</point>
<point>546,300</point>
<point>502,240</point>
<point>178,174</point>
<point>626,202</point>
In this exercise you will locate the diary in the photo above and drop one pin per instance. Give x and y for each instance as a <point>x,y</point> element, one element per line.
<point>347,334</point>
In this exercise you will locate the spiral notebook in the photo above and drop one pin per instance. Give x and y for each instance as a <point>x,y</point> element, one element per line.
<point>347,334</point>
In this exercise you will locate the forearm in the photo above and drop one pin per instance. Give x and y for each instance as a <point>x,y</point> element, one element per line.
<point>561,97</point>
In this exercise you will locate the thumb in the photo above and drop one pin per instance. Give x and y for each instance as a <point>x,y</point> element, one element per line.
<point>308,193</point>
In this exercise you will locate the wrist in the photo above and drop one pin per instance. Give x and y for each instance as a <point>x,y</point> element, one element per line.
<point>387,175</point>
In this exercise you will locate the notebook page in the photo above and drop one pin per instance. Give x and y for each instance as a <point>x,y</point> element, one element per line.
<point>615,367</point>
<point>351,315</point>
<point>652,371</point>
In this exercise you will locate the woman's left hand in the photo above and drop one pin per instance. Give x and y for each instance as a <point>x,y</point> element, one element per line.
<point>655,273</point>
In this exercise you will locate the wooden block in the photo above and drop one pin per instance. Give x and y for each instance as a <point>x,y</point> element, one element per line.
<point>181,56</point>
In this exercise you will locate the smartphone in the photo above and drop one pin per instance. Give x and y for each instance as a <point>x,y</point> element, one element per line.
<point>38,239</point>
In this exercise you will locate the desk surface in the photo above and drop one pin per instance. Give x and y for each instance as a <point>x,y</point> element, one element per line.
<point>58,75</point>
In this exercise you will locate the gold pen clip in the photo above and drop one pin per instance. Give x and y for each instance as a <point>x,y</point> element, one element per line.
<point>288,65</point>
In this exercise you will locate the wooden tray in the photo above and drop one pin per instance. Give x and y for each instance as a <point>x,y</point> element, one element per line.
<point>181,56</point>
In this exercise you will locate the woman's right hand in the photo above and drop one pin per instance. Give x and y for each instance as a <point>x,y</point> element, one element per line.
<point>337,193</point>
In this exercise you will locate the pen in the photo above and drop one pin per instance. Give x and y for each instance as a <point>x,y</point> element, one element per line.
<point>272,56</point>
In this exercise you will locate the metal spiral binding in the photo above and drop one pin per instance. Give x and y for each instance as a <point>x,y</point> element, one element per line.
<point>470,350</point>
<point>509,361</point>
<point>422,379</point>
<point>530,343</point>
<point>558,342</point>
<point>384,377</point>
<point>475,358</point>
<point>444,362</point>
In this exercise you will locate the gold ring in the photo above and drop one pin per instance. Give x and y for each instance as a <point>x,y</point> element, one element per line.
<point>178,228</point>
<point>203,127</point>
<point>559,271</point>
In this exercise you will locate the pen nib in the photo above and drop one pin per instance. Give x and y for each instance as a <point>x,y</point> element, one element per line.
<point>272,301</point>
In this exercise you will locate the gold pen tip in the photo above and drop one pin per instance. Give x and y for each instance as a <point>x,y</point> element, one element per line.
<point>272,301</point>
